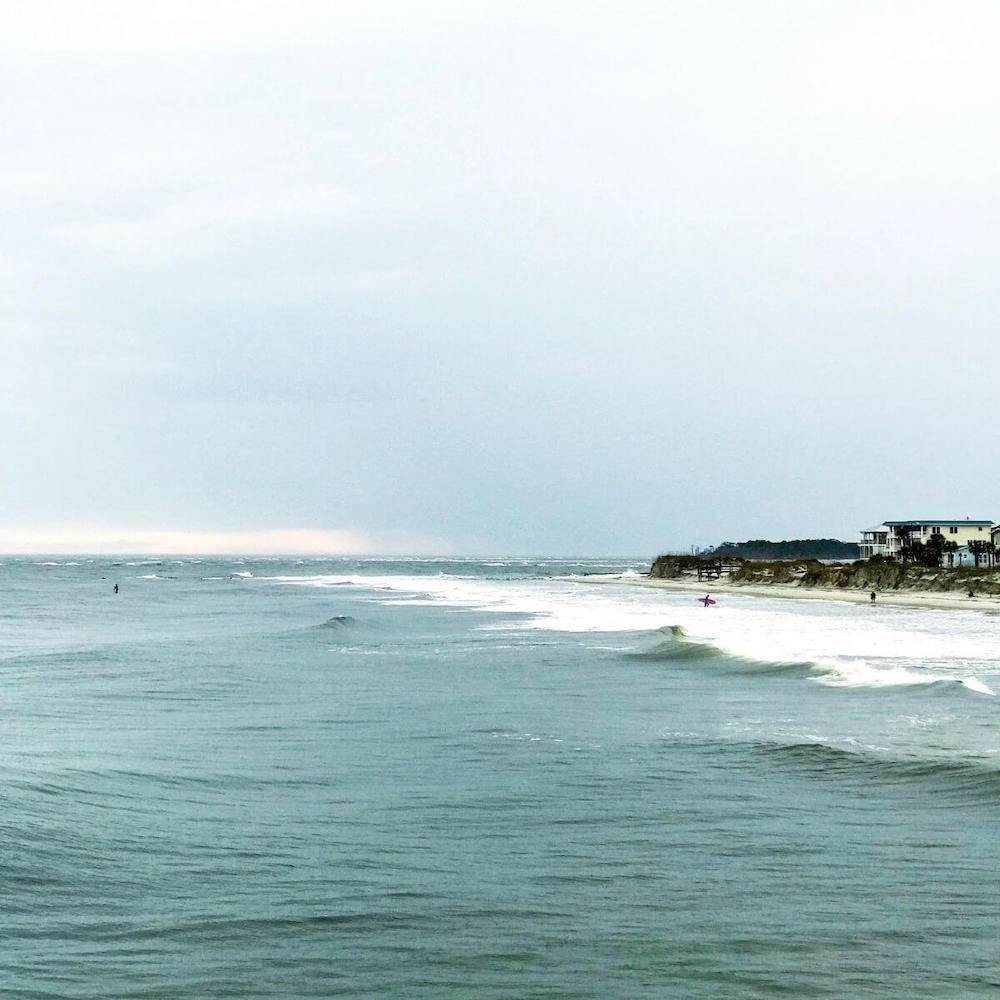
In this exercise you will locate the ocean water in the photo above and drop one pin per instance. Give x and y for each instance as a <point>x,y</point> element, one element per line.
<point>301,778</point>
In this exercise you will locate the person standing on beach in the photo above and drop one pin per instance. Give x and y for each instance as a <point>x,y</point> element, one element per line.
<point>873,597</point>
<point>116,588</point>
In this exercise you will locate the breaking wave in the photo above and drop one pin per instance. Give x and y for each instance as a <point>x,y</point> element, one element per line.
<point>338,621</point>
<point>834,672</point>
<point>832,645</point>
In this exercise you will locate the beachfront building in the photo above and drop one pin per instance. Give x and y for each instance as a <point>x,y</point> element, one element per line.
<point>964,556</point>
<point>875,541</point>
<point>889,537</point>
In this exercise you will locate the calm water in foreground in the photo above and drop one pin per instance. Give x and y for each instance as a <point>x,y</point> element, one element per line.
<point>465,779</point>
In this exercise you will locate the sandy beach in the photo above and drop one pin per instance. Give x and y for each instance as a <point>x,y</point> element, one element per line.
<point>940,600</point>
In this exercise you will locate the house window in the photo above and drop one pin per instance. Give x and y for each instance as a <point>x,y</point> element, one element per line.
<point>953,531</point>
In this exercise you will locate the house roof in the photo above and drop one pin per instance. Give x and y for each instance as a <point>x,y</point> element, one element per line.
<point>936,520</point>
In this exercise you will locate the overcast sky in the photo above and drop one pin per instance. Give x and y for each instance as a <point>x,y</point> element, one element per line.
<point>527,278</point>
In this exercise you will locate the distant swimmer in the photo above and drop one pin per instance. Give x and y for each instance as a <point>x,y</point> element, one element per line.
<point>706,600</point>
<point>116,588</point>
<point>873,596</point>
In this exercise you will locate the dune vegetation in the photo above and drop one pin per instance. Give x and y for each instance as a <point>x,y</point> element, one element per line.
<point>878,573</point>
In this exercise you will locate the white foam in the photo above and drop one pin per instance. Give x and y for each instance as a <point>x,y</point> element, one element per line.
<point>976,685</point>
<point>849,646</point>
<point>861,673</point>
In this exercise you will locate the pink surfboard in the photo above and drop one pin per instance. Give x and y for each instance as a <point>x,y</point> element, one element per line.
<point>706,601</point>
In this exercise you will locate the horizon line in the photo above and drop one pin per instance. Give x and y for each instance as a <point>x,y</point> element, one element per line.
<point>457,557</point>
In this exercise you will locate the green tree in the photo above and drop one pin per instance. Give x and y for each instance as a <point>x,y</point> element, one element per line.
<point>904,542</point>
<point>913,552</point>
<point>934,549</point>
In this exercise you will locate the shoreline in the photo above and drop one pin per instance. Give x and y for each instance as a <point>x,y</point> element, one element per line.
<point>929,600</point>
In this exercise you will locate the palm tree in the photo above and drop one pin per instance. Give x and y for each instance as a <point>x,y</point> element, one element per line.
<point>979,548</point>
<point>902,534</point>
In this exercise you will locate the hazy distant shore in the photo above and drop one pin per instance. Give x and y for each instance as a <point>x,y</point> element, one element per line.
<point>945,601</point>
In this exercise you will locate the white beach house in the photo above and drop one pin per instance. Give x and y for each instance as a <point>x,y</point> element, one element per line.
<point>887,538</point>
<point>875,541</point>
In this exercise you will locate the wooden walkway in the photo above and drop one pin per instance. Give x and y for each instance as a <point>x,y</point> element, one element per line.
<point>715,570</point>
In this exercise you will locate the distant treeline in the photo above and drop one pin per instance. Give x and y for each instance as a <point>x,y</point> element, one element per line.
<point>797,548</point>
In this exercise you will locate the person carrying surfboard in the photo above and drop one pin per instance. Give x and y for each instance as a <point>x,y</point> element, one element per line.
<point>706,600</point>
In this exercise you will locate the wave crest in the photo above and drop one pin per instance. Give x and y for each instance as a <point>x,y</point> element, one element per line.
<point>968,780</point>
<point>845,673</point>
<point>338,621</point>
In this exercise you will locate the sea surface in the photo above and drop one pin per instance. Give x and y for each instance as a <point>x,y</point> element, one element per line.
<point>416,779</point>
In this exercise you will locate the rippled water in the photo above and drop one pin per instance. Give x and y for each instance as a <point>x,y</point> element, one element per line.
<point>429,779</point>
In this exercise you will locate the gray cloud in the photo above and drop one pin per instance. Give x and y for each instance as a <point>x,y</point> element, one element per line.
<point>513,279</point>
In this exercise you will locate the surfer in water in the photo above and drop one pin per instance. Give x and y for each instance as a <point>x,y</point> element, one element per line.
<point>116,588</point>
<point>706,600</point>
